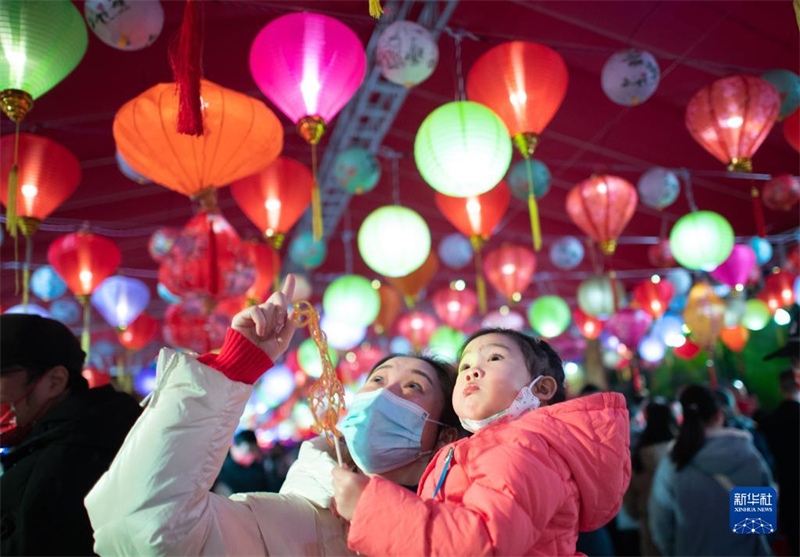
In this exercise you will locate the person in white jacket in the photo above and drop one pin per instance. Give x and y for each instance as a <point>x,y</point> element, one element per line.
<point>155,498</point>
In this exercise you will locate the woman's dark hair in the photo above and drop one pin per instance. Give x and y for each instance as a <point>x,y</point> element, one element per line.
<point>661,426</point>
<point>699,407</point>
<point>445,373</point>
<point>540,358</point>
<point>76,382</point>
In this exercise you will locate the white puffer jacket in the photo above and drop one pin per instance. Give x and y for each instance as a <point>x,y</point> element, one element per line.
<point>155,499</point>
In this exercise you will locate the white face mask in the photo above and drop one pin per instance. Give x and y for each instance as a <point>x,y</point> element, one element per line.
<point>524,402</point>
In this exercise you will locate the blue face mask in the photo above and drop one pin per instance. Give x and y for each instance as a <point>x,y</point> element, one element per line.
<point>384,431</point>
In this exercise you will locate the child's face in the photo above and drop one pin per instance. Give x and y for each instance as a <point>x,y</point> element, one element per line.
<point>490,375</point>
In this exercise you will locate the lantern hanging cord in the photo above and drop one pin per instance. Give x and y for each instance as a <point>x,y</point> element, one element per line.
<point>458,35</point>
<point>687,178</point>
<point>347,239</point>
<point>396,180</point>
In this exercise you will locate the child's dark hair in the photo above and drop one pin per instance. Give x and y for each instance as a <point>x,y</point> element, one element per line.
<point>540,358</point>
<point>699,407</point>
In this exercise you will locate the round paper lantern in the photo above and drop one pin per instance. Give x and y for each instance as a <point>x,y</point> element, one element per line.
<point>128,171</point>
<point>46,284</point>
<point>241,137</point>
<point>309,360</point>
<point>454,307</point>
<point>704,315</point>
<point>446,342</point>
<point>660,254</point>
<point>600,296</point>
<point>781,193</point>
<point>139,332</point>
<point>788,85</point>
<point>670,329</point>
<point>417,327</point>
<point>549,316</point>
<point>342,335</point>
<point>406,53</point>
<point>307,252</point>
<point>678,302</point>
<point>518,179</point>
<point>737,267</point>
<point>394,241</point>
<point>267,265</point>
<point>84,260</point>
<point>654,296</point>
<point>731,117</point>
<point>651,349</point>
<point>391,303</point>
<point>735,338</point>
<point>357,170</point>
<point>791,129</point>
<point>357,363</point>
<point>762,249</point>
<point>276,386</point>
<point>125,24</point>
<point>504,320</point>
<point>601,206</point>
<point>701,240</point>
<point>275,198</point>
<point>400,345</point>
<point>509,269</point>
<point>455,250</point>
<point>589,327</point>
<point>475,216</point>
<point>658,187</point>
<point>161,241</point>
<point>735,307</point>
<point>567,253</point>
<point>630,77</point>
<point>680,279</point>
<point>756,315</point>
<point>462,148</point>
<point>65,310</point>
<point>412,284</point>
<point>629,326</point>
<point>192,325</point>
<point>30,309</point>
<point>120,300</point>
<point>351,299</point>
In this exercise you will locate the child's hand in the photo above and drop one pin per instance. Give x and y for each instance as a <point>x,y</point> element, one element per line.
<point>267,325</point>
<point>347,489</point>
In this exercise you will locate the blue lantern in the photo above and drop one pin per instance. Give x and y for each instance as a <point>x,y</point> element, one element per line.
<point>30,309</point>
<point>276,386</point>
<point>145,380</point>
<point>518,179</point>
<point>455,250</point>
<point>763,249</point>
<point>567,253</point>
<point>46,284</point>
<point>788,85</point>
<point>307,252</point>
<point>356,170</point>
<point>66,310</point>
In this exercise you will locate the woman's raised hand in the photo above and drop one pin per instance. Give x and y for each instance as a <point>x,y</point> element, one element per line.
<point>268,325</point>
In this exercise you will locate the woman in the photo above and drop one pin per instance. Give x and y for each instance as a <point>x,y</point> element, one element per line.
<point>689,500</point>
<point>155,498</point>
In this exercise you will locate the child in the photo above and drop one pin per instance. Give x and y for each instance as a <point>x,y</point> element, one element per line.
<point>524,484</point>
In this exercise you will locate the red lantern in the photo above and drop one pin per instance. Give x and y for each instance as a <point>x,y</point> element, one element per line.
<point>654,296</point>
<point>136,335</point>
<point>660,254</point>
<point>357,362</point>
<point>391,303</point>
<point>454,307</point>
<point>601,206</point>
<point>417,327</point>
<point>197,325</point>
<point>95,377</point>
<point>275,198</point>
<point>509,269</point>
<point>411,284</point>
<point>791,130</point>
<point>267,265</point>
<point>780,286</point>
<point>590,327</point>
<point>782,192</point>
<point>687,351</point>
<point>84,260</point>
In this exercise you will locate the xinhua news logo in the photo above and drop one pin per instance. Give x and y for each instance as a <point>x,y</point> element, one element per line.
<point>753,510</point>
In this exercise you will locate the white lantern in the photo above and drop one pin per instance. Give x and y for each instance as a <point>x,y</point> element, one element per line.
<point>567,253</point>
<point>659,187</point>
<point>125,24</point>
<point>406,53</point>
<point>600,296</point>
<point>630,77</point>
<point>340,334</point>
<point>394,241</point>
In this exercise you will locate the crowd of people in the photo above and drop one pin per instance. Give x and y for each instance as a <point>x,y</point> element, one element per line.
<point>488,457</point>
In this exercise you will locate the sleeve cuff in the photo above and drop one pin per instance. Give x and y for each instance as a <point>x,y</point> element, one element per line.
<point>238,359</point>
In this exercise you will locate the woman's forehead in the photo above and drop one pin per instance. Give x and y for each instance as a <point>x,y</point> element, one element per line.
<point>401,366</point>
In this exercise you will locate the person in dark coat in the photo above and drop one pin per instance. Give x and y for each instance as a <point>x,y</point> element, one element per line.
<point>58,437</point>
<point>244,469</point>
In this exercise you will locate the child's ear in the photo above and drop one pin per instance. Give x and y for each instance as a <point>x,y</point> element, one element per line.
<point>545,388</point>
<point>447,435</point>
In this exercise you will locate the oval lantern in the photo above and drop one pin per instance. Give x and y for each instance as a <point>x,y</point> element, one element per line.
<point>651,349</point>
<point>504,319</point>
<point>762,248</point>
<point>309,360</point>
<point>630,77</point>
<point>351,299</point>
<point>654,296</point>
<point>549,316</point>
<point>781,193</point>
<point>417,327</point>
<point>356,170</point>
<point>161,241</point>
<point>589,327</point>
<point>276,386</point>
<point>46,284</point>
<point>787,84</point>
<point>670,329</point>
<point>412,284</point>
<point>658,187</point>
<point>567,253</point>
<point>137,334</point>
<point>701,240</point>
<point>704,315</point>
<point>737,267</point>
<point>120,300</point>
<point>341,335</point>
<point>193,325</point>
<point>681,279</point>
<point>307,252</point>
<point>791,130</point>
<point>518,179</point>
<point>660,254</point>
<point>509,269</point>
<point>394,241</point>
<point>406,53</point>
<point>128,171</point>
<point>84,260</point>
<point>30,309</point>
<point>125,25</point>
<point>735,307</point>
<point>601,206</point>
<point>475,216</point>
<point>455,250</point>
<point>735,338</point>
<point>454,307</point>
<point>629,326</point>
<point>391,304</point>
<point>462,148</point>
<point>780,285</point>
<point>600,296</point>
<point>756,315</point>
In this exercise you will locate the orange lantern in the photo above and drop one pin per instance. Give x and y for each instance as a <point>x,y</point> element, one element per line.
<point>735,338</point>
<point>524,83</point>
<point>268,268</point>
<point>454,307</point>
<point>417,327</point>
<point>141,331</point>
<point>509,269</point>
<point>590,327</point>
<point>411,284</point>
<point>275,198</point>
<point>654,295</point>
<point>241,137</point>
<point>391,304</point>
<point>791,130</point>
<point>602,206</point>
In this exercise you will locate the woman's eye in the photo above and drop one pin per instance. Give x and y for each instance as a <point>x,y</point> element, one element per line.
<point>376,379</point>
<point>415,386</point>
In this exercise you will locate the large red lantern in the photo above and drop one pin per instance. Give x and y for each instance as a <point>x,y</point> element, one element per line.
<point>267,265</point>
<point>654,296</point>
<point>275,198</point>
<point>602,206</point>
<point>509,269</point>
<point>454,307</point>
<point>136,335</point>
<point>197,325</point>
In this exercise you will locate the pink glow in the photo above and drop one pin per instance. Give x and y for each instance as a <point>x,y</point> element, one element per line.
<point>735,270</point>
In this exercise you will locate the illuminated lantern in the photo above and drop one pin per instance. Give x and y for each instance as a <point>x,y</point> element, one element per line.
<point>651,349</point>
<point>445,343</point>
<point>454,307</point>
<point>462,149</point>
<point>737,267</point>
<point>788,85</point>
<point>660,254</point>
<point>161,242</point>
<point>735,307</point>
<point>275,197</point>
<point>731,117</point>
<point>735,338</point>
<point>30,309</point>
<point>46,284</point>
<point>342,335</point>
<point>195,325</point>
<point>687,351</point>
<point>417,327</point>
<point>455,250</point>
<point>128,171</point>
<point>567,253</point>
<point>406,53</point>
<point>629,326</point>
<point>504,319</point>
<point>630,77</point>
<point>276,386</point>
<point>351,299</point>
<point>358,362</point>
<point>241,137</point>
<point>307,252</point>
<point>509,269</point>
<point>137,334</point>
<point>357,170</point>
<point>680,279</point>
<point>65,310</point>
<point>268,268</point>
<point>600,296</point>
<point>658,187</point>
<point>670,329</point>
<point>782,192</point>
<point>601,206</point>
<point>120,300</point>
<point>781,286</point>
<point>391,303</point>
<point>756,315</point>
<point>762,248</point>
<point>518,179</point>
<point>394,241</point>
<point>701,240</point>
<point>95,377</point>
<point>791,130</point>
<point>549,316</point>
<point>309,360</point>
<point>125,24</point>
<point>654,295</point>
<point>412,284</point>
<point>145,380</point>
<point>590,327</point>
<point>704,315</point>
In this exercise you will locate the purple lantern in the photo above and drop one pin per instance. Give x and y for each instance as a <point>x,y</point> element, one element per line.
<point>629,326</point>
<point>120,300</point>
<point>737,268</point>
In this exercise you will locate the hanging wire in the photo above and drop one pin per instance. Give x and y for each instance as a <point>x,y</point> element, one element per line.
<point>687,178</point>
<point>458,35</point>
<point>347,239</point>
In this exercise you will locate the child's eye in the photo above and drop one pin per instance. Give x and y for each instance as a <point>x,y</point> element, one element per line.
<point>495,357</point>
<point>463,367</point>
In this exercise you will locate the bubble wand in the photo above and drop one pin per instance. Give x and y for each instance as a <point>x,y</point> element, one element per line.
<point>326,397</point>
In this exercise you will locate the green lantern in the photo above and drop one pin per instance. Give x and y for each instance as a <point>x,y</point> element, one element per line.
<point>356,170</point>
<point>756,315</point>
<point>394,241</point>
<point>549,316</point>
<point>445,342</point>
<point>308,358</point>
<point>462,148</point>
<point>701,240</point>
<point>42,42</point>
<point>351,299</point>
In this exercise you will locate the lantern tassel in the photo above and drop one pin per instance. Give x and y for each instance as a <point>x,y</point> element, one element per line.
<point>533,210</point>
<point>185,55</point>
<point>375,9</point>
<point>758,212</point>
<point>86,338</point>
<point>213,269</point>
<point>316,198</point>
<point>480,282</point>
<point>12,224</point>
<point>26,270</point>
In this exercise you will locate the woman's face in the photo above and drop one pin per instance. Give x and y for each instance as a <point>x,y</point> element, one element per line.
<point>416,381</point>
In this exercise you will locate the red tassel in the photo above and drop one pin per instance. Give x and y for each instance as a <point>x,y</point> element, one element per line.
<point>758,212</point>
<point>185,58</point>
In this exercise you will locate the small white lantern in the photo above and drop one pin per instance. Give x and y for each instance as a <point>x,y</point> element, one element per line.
<point>406,53</point>
<point>630,77</point>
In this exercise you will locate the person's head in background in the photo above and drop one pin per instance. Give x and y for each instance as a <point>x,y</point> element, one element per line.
<point>789,386</point>
<point>245,450</point>
<point>701,412</point>
<point>727,403</point>
<point>590,389</point>
<point>502,372</point>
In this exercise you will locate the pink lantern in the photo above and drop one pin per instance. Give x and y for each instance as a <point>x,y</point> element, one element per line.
<point>417,327</point>
<point>196,325</point>
<point>781,193</point>
<point>455,307</point>
<point>629,326</point>
<point>735,270</point>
